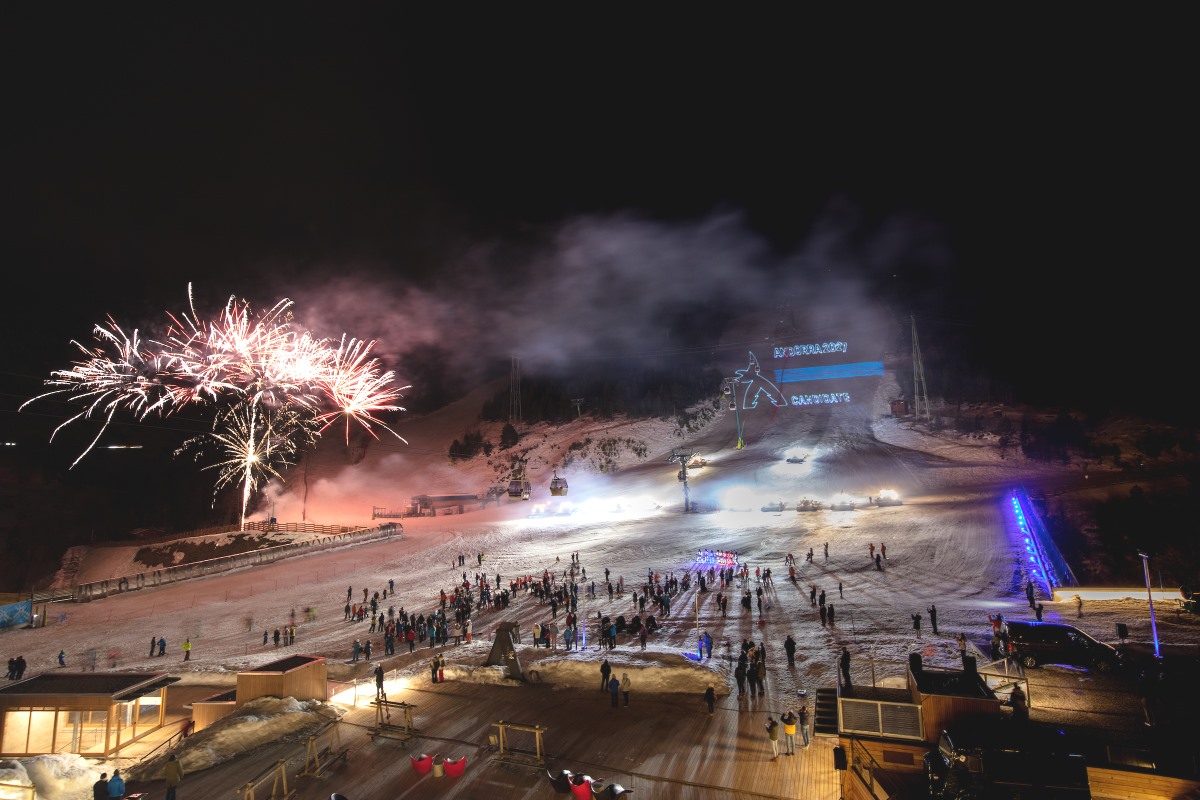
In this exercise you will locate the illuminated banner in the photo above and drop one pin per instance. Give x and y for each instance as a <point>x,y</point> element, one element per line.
<point>752,383</point>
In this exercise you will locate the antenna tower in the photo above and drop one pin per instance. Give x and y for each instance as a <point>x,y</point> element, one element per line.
<point>920,391</point>
<point>514,392</point>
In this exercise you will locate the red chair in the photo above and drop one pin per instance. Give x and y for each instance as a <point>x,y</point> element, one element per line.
<point>581,786</point>
<point>422,763</point>
<point>455,766</point>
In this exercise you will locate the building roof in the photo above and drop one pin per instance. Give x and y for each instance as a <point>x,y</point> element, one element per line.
<point>952,683</point>
<point>286,664</point>
<point>117,685</point>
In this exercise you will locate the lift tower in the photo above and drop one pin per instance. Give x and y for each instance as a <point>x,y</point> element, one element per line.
<point>682,460</point>
<point>920,392</point>
<point>514,393</point>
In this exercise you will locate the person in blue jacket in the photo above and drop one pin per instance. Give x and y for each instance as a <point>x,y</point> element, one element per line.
<point>116,785</point>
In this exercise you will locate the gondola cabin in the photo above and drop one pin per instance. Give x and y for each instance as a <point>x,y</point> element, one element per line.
<point>519,489</point>
<point>558,486</point>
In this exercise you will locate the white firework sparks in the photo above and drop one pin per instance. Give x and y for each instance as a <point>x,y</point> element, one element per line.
<point>279,386</point>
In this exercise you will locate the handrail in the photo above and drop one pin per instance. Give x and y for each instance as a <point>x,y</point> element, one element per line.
<point>170,740</point>
<point>859,755</point>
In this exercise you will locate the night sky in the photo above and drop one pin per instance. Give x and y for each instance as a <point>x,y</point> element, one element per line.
<point>564,185</point>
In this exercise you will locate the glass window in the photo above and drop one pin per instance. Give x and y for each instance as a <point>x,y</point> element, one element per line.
<point>16,732</point>
<point>95,724</point>
<point>41,731</point>
<point>124,724</point>
<point>149,712</point>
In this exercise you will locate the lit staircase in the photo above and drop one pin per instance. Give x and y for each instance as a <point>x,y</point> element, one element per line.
<point>825,713</point>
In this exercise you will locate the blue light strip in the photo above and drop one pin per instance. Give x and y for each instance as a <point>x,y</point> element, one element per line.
<point>1035,565</point>
<point>1040,555</point>
<point>861,369</point>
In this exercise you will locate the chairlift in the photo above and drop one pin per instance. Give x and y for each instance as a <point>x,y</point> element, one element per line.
<point>558,486</point>
<point>519,489</point>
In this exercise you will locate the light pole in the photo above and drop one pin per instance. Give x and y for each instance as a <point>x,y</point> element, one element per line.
<point>1150,597</point>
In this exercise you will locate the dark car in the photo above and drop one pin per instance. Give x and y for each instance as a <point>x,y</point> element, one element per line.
<point>999,760</point>
<point>1037,643</point>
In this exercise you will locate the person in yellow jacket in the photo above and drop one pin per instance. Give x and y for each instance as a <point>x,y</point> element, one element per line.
<point>174,775</point>
<point>789,732</point>
<point>187,649</point>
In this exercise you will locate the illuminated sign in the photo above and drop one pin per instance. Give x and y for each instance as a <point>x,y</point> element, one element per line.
<point>751,383</point>
<point>792,350</point>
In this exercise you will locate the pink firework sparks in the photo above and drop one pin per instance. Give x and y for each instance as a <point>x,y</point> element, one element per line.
<point>135,381</point>
<point>278,383</point>
<point>359,389</point>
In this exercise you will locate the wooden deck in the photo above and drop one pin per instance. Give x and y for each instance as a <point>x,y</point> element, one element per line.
<point>660,746</point>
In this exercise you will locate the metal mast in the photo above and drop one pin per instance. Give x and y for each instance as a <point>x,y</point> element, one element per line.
<point>682,460</point>
<point>514,392</point>
<point>920,391</point>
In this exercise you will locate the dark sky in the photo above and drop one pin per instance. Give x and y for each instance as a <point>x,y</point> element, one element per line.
<point>1023,184</point>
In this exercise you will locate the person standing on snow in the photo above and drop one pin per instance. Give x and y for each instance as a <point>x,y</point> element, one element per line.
<point>116,785</point>
<point>605,671</point>
<point>626,685</point>
<point>100,787</point>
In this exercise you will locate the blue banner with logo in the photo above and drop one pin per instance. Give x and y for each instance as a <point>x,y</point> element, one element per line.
<point>16,615</point>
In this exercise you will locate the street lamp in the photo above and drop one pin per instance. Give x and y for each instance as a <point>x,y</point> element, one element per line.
<point>1150,596</point>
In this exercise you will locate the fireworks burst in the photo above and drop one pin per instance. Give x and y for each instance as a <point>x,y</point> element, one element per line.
<point>254,443</point>
<point>277,387</point>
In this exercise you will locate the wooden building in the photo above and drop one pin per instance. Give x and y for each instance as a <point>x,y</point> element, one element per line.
<point>302,677</point>
<point>92,713</point>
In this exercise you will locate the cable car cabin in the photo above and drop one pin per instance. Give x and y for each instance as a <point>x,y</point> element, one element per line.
<point>558,486</point>
<point>519,490</point>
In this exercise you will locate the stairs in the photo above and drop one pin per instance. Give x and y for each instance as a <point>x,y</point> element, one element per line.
<point>825,713</point>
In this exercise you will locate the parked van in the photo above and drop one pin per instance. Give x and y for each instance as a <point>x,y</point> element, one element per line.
<point>1037,643</point>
